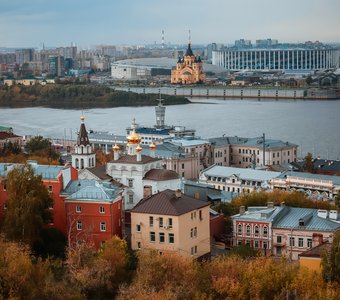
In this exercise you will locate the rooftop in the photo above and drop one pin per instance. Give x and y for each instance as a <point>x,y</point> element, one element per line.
<point>187,142</point>
<point>132,159</point>
<point>333,178</point>
<point>90,190</point>
<point>161,175</point>
<point>245,174</point>
<point>166,203</point>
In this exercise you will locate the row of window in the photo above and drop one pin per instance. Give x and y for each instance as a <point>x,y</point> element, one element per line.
<point>249,232</point>
<point>101,209</point>
<point>256,244</point>
<point>160,222</point>
<point>300,242</point>
<point>102,226</point>
<point>193,215</point>
<point>171,237</point>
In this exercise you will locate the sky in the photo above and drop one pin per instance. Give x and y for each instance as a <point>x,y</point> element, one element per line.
<point>32,23</point>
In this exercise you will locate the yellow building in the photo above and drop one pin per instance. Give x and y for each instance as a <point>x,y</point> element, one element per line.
<point>311,259</point>
<point>171,222</point>
<point>189,69</point>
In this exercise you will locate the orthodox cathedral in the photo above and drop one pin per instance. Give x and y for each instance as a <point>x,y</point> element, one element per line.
<point>189,69</point>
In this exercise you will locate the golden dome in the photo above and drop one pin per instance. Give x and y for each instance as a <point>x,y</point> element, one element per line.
<point>133,138</point>
<point>82,118</point>
<point>115,147</point>
<point>139,149</point>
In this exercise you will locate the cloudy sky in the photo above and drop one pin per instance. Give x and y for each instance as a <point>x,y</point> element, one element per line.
<point>30,23</point>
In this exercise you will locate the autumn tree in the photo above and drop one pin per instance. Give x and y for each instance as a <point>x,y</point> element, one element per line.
<point>98,274</point>
<point>331,261</point>
<point>308,165</point>
<point>40,146</point>
<point>27,205</point>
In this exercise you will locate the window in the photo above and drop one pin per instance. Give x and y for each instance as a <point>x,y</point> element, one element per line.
<point>248,230</point>
<point>265,245</point>
<point>151,221</point>
<point>160,222</point>
<point>170,222</point>
<point>239,229</point>
<point>291,242</point>
<point>256,230</point>
<point>79,225</point>
<point>200,214</point>
<point>265,231</point>
<point>171,238</point>
<point>247,242</point>
<point>256,244</point>
<point>161,237</point>
<point>50,188</point>
<point>273,155</point>
<point>130,183</point>
<point>300,242</point>
<point>192,232</point>
<point>239,243</point>
<point>152,236</point>
<point>102,209</point>
<point>138,245</point>
<point>279,239</point>
<point>195,231</point>
<point>102,226</point>
<point>182,166</point>
<point>78,209</point>
<point>130,198</point>
<point>309,243</point>
<point>5,186</point>
<point>194,250</point>
<point>138,227</point>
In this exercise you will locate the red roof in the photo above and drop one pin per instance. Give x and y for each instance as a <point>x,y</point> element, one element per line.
<point>8,135</point>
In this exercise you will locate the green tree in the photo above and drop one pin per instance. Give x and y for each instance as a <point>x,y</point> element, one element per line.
<point>331,261</point>
<point>27,206</point>
<point>40,146</point>
<point>308,164</point>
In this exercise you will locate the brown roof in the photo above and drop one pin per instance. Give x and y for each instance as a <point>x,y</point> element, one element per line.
<point>132,159</point>
<point>316,251</point>
<point>166,203</point>
<point>8,135</point>
<point>160,174</point>
<point>100,172</point>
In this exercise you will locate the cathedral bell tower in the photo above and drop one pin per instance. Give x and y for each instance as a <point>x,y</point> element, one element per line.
<point>83,156</point>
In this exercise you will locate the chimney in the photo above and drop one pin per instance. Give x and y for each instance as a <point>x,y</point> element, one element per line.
<point>322,213</point>
<point>178,193</point>
<point>333,214</point>
<point>242,209</point>
<point>270,204</point>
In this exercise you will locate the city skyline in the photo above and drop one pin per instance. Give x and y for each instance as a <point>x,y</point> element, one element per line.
<point>87,23</point>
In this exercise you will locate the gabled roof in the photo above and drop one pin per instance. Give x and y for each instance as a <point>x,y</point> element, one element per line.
<point>160,175</point>
<point>316,251</point>
<point>90,190</point>
<point>166,203</point>
<point>132,159</point>
<point>99,172</point>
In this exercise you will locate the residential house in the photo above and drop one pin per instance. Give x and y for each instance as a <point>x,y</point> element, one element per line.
<point>170,221</point>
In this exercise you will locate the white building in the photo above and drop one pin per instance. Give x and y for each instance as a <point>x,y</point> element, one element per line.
<point>237,180</point>
<point>142,175</point>
<point>128,72</point>
<point>294,57</point>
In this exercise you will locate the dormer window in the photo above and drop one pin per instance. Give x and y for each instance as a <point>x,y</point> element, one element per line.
<point>301,222</point>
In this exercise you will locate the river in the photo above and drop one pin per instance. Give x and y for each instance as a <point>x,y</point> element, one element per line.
<point>313,125</point>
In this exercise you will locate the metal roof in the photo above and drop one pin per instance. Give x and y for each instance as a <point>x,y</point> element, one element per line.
<point>291,216</point>
<point>47,172</point>
<point>188,142</point>
<point>258,213</point>
<point>245,174</point>
<point>91,190</point>
<point>335,179</point>
<point>166,203</point>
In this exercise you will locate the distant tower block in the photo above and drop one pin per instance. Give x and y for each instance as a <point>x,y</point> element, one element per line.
<point>160,114</point>
<point>163,42</point>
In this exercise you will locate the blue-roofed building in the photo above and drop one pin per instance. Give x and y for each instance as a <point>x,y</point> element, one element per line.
<point>284,231</point>
<point>316,186</point>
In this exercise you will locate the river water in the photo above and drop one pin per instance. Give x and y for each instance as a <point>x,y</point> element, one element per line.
<point>313,125</point>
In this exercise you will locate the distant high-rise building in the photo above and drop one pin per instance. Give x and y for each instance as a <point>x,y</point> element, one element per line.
<point>24,55</point>
<point>242,43</point>
<point>56,66</point>
<point>210,48</point>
